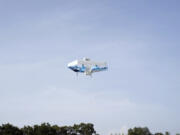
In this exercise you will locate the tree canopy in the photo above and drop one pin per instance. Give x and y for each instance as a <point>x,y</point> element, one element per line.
<point>47,129</point>
<point>76,129</point>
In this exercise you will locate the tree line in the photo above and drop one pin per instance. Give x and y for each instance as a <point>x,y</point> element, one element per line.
<point>76,129</point>
<point>47,129</point>
<point>145,131</point>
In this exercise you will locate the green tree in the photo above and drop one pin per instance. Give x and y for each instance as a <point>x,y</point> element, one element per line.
<point>27,130</point>
<point>8,129</point>
<point>44,129</point>
<point>84,129</point>
<point>139,131</point>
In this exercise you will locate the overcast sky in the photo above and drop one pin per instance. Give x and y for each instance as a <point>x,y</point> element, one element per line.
<point>140,41</point>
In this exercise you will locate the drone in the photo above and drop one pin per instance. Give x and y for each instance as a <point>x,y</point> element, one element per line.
<point>87,66</point>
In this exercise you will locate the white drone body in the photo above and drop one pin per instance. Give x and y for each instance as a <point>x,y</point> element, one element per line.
<point>87,66</point>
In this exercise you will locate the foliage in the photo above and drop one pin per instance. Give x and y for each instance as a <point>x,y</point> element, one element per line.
<point>144,131</point>
<point>76,129</point>
<point>8,129</point>
<point>47,129</point>
<point>139,131</point>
